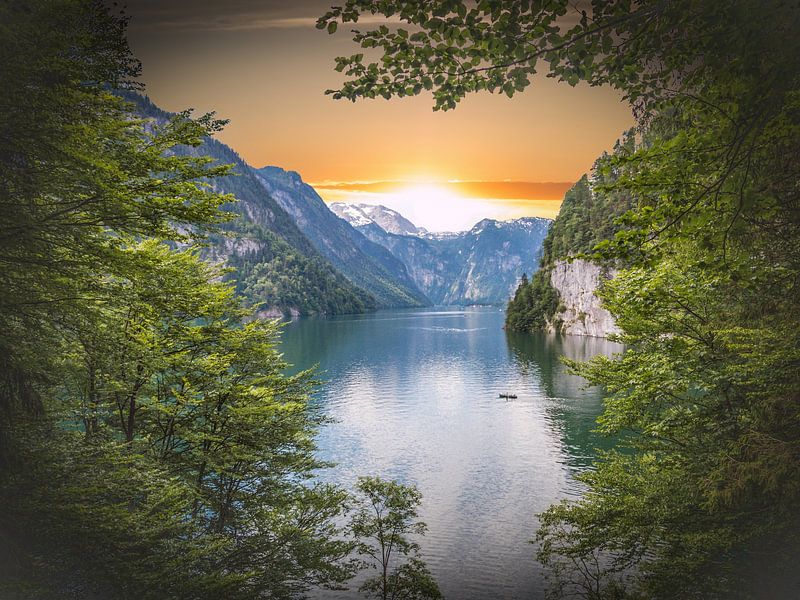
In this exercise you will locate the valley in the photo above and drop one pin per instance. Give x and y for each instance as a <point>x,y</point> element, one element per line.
<point>292,253</point>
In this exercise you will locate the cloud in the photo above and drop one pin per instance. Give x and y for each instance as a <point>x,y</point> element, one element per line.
<point>502,190</point>
<point>452,205</point>
<point>232,15</point>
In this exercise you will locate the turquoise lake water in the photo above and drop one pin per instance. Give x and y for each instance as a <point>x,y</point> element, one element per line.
<point>414,395</point>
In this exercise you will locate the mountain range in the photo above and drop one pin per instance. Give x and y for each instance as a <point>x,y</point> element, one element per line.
<point>365,263</point>
<point>479,266</point>
<point>290,252</point>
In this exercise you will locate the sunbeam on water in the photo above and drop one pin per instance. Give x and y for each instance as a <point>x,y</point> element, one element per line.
<point>415,396</point>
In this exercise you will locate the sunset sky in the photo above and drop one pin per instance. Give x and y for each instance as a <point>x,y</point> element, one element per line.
<point>265,67</point>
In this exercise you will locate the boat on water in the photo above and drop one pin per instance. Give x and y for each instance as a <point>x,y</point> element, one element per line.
<point>509,396</point>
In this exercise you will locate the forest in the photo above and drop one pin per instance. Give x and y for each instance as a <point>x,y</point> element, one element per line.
<point>151,444</point>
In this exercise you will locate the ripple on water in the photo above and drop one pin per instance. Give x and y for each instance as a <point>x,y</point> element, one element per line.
<point>414,396</point>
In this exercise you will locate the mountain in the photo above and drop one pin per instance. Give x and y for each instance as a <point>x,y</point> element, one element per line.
<point>387,219</point>
<point>365,263</point>
<point>562,295</point>
<point>276,268</point>
<point>494,256</point>
<point>479,266</point>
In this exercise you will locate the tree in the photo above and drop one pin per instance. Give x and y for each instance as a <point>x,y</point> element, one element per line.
<point>151,445</point>
<point>646,49</point>
<point>77,166</point>
<point>705,397</point>
<point>384,518</point>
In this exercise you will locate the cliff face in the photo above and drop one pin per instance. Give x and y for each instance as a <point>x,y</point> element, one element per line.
<point>561,296</point>
<point>491,258</point>
<point>580,311</point>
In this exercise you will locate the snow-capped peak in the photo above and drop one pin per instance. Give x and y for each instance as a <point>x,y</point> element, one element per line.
<point>350,213</point>
<point>387,219</point>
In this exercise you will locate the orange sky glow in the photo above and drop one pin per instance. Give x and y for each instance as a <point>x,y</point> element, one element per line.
<point>265,67</point>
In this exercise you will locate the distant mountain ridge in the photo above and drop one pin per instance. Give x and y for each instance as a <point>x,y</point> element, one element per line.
<point>276,268</point>
<point>387,219</point>
<point>363,262</point>
<point>479,266</point>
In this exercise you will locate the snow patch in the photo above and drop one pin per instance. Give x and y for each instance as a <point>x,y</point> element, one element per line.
<point>351,213</point>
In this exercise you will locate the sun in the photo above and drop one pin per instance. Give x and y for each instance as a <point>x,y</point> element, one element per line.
<point>430,204</point>
<point>437,206</point>
<point>428,194</point>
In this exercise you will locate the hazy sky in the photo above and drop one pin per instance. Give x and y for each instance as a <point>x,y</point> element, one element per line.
<point>265,67</point>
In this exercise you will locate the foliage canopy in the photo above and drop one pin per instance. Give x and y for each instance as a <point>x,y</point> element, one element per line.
<point>703,503</point>
<point>151,444</point>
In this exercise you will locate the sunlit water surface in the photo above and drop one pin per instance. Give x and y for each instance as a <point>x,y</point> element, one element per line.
<point>415,397</point>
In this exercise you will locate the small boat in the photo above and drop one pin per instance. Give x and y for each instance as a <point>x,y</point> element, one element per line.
<point>509,396</point>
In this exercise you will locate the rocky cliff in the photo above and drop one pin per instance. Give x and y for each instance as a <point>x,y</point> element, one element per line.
<point>561,296</point>
<point>579,311</point>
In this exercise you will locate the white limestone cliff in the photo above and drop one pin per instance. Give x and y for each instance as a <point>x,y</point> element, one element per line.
<point>580,310</point>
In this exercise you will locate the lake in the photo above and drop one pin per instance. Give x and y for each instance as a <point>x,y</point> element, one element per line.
<point>415,397</point>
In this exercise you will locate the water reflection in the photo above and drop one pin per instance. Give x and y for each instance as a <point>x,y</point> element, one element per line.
<point>572,406</point>
<point>415,396</point>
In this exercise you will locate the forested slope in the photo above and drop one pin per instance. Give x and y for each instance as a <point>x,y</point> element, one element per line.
<point>275,265</point>
<point>587,217</point>
<point>150,444</point>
